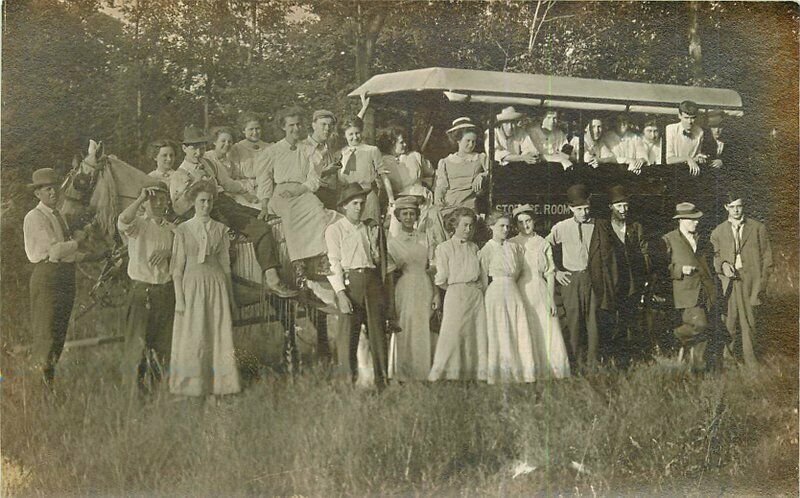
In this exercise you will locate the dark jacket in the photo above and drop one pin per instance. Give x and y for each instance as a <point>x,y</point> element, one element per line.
<point>617,270</point>
<point>686,288</point>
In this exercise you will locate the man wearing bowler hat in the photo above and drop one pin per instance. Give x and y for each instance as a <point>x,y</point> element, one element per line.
<point>693,288</point>
<point>151,300</point>
<point>619,265</point>
<point>53,250</point>
<point>240,218</point>
<point>355,276</point>
<point>580,302</point>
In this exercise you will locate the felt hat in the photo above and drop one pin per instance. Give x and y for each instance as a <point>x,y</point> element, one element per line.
<point>578,195</point>
<point>524,208</point>
<point>715,118</point>
<point>686,210</point>
<point>350,192</point>
<point>194,135</point>
<point>617,194</point>
<point>460,124</point>
<point>44,177</point>
<point>509,114</point>
<point>322,113</point>
<point>407,202</point>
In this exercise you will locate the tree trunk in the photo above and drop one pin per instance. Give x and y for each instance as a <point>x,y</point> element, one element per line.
<point>695,48</point>
<point>368,27</point>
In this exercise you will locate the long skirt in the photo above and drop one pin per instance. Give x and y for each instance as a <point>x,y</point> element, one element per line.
<point>410,350</point>
<point>304,221</point>
<point>461,349</point>
<point>510,345</point>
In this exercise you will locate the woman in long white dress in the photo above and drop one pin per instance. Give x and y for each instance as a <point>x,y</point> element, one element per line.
<point>537,284</point>
<point>203,360</point>
<point>410,352</point>
<point>510,345</point>
<point>461,348</point>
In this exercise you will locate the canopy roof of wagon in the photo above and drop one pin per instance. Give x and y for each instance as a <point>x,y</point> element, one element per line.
<point>493,87</point>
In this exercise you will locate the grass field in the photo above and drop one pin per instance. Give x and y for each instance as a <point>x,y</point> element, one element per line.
<point>656,430</point>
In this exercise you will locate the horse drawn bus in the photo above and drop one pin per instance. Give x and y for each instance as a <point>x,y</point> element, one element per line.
<point>571,114</point>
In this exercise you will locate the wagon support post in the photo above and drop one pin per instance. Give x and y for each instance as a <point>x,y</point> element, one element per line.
<point>581,138</point>
<point>490,153</point>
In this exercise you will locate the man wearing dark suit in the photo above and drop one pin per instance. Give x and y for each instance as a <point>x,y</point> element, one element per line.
<point>693,288</point>
<point>743,263</point>
<point>575,236</point>
<point>619,265</point>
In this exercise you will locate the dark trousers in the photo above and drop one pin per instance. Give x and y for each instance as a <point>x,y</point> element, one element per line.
<point>52,288</point>
<point>245,220</point>
<point>697,333</point>
<point>623,337</point>
<point>368,297</point>
<point>148,333</point>
<point>580,305</point>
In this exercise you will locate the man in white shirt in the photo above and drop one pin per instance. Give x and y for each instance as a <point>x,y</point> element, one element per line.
<point>323,123</point>
<point>597,146</point>
<point>354,254</point>
<point>151,301</point>
<point>511,143</point>
<point>684,139</point>
<point>54,251</point>
<point>623,141</point>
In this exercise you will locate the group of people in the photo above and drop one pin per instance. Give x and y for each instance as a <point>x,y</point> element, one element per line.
<point>498,319</point>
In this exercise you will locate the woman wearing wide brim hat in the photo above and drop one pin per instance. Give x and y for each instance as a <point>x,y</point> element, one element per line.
<point>512,143</point>
<point>460,176</point>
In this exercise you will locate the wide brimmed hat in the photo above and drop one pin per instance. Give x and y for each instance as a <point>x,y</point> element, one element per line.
<point>509,114</point>
<point>407,202</point>
<point>194,135</point>
<point>322,113</point>
<point>416,189</point>
<point>686,210</point>
<point>578,195</point>
<point>617,194</point>
<point>524,208</point>
<point>350,192</point>
<point>461,124</point>
<point>44,177</point>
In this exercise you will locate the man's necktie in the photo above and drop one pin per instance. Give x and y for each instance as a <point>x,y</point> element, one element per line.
<point>687,133</point>
<point>62,224</point>
<point>580,232</point>
<point>737,246</point>
<point>350,167</point>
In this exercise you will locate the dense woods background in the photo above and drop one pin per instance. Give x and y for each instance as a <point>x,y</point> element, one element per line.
<point>127,72</point>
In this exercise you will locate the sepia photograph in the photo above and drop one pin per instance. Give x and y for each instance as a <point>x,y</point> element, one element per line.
<point>433,248</point>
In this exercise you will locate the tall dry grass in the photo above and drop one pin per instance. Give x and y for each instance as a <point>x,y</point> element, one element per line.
<point>656,430</point>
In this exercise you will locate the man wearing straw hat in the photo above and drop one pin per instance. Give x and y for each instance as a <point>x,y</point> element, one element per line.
<point>53,250</point>
<point>693,288</point>
<point>511,143</point>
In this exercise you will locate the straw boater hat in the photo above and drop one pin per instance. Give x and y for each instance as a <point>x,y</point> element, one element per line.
<point>460,124</point>
<point>617,194</point>
<point>44,177</point>
<point>524,208</point>
<point>194,135</point>
<point>578,195</point>
<point>350,192</point>
<point>509,114</point>
<point>686,211</point>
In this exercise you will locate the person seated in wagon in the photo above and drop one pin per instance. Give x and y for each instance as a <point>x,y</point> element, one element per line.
<point>550,140</point>
<point>286,187</point>
<point>244,220</point>
<point>461,176</point>
<point>511,143</point>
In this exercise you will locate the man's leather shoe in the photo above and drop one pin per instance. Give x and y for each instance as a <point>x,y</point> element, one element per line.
<point>279,289</point>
